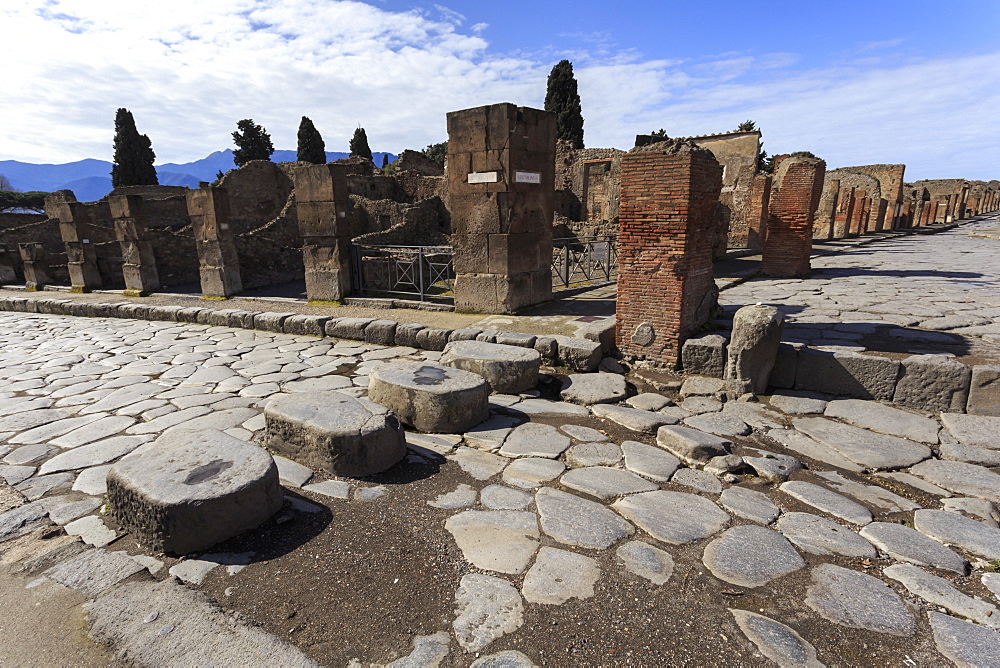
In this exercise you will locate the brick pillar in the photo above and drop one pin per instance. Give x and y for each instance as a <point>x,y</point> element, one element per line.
<point>906,216</point>
<point>881,213</point>
<point>854,225</point>
<point>218,263</point>
<point>75,230</point>
<point>827,212</point>
<point>36,266</point>
<point>666,291</point>
<point>760,193</point>
<point>845,211</point>
<point>501,184</point>
<point>798,185</point>
<point>8,274</point>
<point>864,225</point>
<point>139,267</point>
<point>321,201</point>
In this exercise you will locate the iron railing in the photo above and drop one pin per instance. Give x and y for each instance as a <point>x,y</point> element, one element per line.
<point>425,272</point>
<point>579,261</point>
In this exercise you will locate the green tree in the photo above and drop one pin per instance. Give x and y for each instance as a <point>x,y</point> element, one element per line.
<point>562,98</point>
<point>804,154</point>
<point>765,162</point>
<point>12,201</point>
<point>133,159</point>
<point>437,152</point>
<point>746,126</point>
<point>359,145</point>
<point>310,147</point>
<point>252,143</point>
<point>385,160</point>
<point>5,183</point>
<point>659,135</point>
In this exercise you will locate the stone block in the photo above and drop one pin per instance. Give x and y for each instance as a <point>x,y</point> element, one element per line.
<point>270,322</point>
<point>189,314</point>
<point>220,281</point>
<point>381,332</point>
<point>432,339</point>
<point>321,183</point>
<point>933,383</point>
<point>547,347</point>
<point>705,355</point>
<point>464,335</point>
<point>164,313</point>
<point>508,369</point>
<point>516,339</point>
<point>190,490</point>
<point>984,390</point>
<point>349,328</point>
<point>334,432</point>
<point>753,347</point>
<point>406,334</point>
<point>846,374</point>
<point>305,325</point>
<point>578,354</point>
<point>430,397</point>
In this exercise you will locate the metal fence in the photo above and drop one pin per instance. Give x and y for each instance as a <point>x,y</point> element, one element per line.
<point>425,272</point>
<point>579,261</point>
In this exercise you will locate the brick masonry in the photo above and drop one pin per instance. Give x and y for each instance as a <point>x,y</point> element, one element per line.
<point>795,194</point>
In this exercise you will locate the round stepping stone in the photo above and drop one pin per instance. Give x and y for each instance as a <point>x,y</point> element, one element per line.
<point>588,389</point>
<point>905,544</point>
<point>751,556</point>
<point>858,601</point>
<point>575,521</point>
<point>646,561</point>
<point>334,432</point>
<point>508,369</point>
<point>432,398</point>
<point>673,517</point>
<point>605,482</point>
<point>817,535</point>
<point>776,641</point>
<point>189,490</point>
<point>593,454</point>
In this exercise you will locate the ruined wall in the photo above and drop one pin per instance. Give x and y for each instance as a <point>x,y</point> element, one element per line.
<point>826,210</point>
<point>737,153</point>
<point>272,252</point>
<point>890,180</point>
<point>18,228</point>
<point>416,225</point>
<point>588,188</point>
<point>418,163</point>
<point>258,191</point>
<point>176,256</point>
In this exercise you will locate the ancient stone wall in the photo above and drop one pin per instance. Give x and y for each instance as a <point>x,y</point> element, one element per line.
<point>588,184</point>
<point>826,211</point>
<point>413,225</point>
<point>418,163</point>
<point>760,197</point>
<point>795,194</point>
<point>737,153</point>
<point>257,191</point>
<point>272,252</point>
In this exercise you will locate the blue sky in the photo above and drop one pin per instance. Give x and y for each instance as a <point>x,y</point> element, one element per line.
<point>855,82</point>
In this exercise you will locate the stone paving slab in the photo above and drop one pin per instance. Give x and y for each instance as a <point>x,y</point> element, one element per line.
<point>576,521</point>
<point>871,450</point>
<point>827,501</point>
<point>778,642</point>
<point>673,517</point>
<point>858,601</point>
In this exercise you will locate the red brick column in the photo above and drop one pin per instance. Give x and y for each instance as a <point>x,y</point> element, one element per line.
<point>798,185</point>
<point>760,194</point>
<point>845,211</point>
<point>881,215</point>
<point>666,291</point>
<point>854,225</point>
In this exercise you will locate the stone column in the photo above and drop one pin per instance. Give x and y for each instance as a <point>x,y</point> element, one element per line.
<point>501,184</point>
<point>218,263</point>
<point>321,201</point>
<point>854,225</point>
<point>36,266</point>
<point>75,229</point>
<point>881,214</point>
<point>139,268</point>
<point>666,291</point>
<point>7,272</point>
<point>798,185</point>
<point>845,211</point>
<point>760,193</point>
<point>826,213</point>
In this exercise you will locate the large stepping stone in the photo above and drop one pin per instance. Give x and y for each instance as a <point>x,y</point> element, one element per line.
<point>558,576</point>
<point>334,432</point>
<point>961,478</point>
<point>432,398</point>
<point>673,517</point>
<point>829,502</point>
<point>858,601</point>
<point>604,482</point>
<point>978,430</point>
<point>964,643</point>
<point>905,544</point>
<point>751,556</point>
<point>495,540</point>
<point>487,608</point>
<point>938,591</point>
<point>817,535</point>
<point>885,419</point>
<point>189,490</point>
<point>593,388</point>
<point>778,642</point>
<point>749,504</point>
<point>690,445</point>
<point>575,521</point>
<point>508,369</point>
<point>871,450</point>
<point>954,529</point>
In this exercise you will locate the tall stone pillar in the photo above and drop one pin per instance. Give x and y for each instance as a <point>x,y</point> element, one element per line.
<point>7,272</point>
<point>881,213</point>
<point>826,213</point>
<point>501,184</point>
<point>36,266</point>
<point>666,291</point>
<point>798,185</point>
<point>139,268</point>
<point>845,211</point>
<point>854,226</point>
<point>760,193</point>
<point>321,200</point>
<point>75,229</point>
<point>218,263</point>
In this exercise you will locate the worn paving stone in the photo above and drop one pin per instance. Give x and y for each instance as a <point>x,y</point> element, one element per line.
<point>14,475</point>
<point>532,472</point>
<point>648,401</point>
<point>496,540</point>
<point>587,389</point>
<point>778,642</point>
<point>575,521</point>
<point>698,405</point>
<point>720,424</point>
<point>21,520</point>
<point>818,535</point>
<point>977,430</point>
<point>93,481</point>
<point>428,651</point>
<point>65,509</point>
<point>501,497</point>
<point>701,386</point>
<point>970,454</point>
<point>91,530</point>
<point>29,454</point>
<point>88,433</point>
<point>593,454</point>
<point>673,517</point>
<point>692,446</point>
<point>645,422</point>
<point>604,482</point>
<point>751,556</point>
<point>756,415</point>
<point>291,472</point>
<point>830,502</point>
<point>490,434</point>
<point>510,658</point>
<point>873,495</point>
<point>480,465</point>
<point>961,478</point>
<point>771,466</point>
<point>938,591</point>
<point>544,407</point>
<point>913,481</point>
<point>461,497</point>
<point>858,601</point>
<point>979,509</point>
<point>38,486</point>
<point>653,463</point>
<point>700,481</point>
<point>749,504</point>
<point>885,419</point>
<point>487,608</point>
<point>558,576</point>
<point>192,571</point>
<point>583,434</point>
<point>871,450</point>
<point>337,489</point>
<point>93,454</point>
<point>646,561</point>
<point>798,402</point>
<point>992,582</point>
<point>812,449</point>
<point>534,439</point>
<point>954,529</point>
<point>440,444</point>
<point>30,419</point>
<point>127,396</point>
<point>94,571</point>
<point>964,643</point>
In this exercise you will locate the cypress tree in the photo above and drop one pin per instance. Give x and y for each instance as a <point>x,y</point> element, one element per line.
<point>562,98</point>
<point>252,143</point>
<point>359,145</point>
<point>385,160</point>
<point>310,147</point>
<point>133,160</point>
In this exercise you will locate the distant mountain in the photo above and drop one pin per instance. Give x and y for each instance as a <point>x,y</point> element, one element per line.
<point>90,179</point>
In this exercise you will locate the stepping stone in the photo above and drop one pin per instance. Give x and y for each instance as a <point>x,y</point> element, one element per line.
<point>749,505</point>
<point>700,481</point>
<point>91,530</point>
<point>692,446</point>
<point>673,517</point>
<point>431,397</point>
<point>558,576</point>
<point>501,497</point>
<point>719,424</point>
<point>653,463</point>
<point>817,535</point>
<point>938,591</point>
<point>958,530</point>
<point>646,561</point>
<point>964,643</point>
<point>979,509</point>
<point>187,491</point>
<point>605,483</point>
<point>495,540</point>
<point>885,419</point>
<point>93,454</point>
<point>977,430</point>
<point>961,478</point>
<point>798,403</point>
<point>645,422</point>
<point>593,454</point>
<point>292,473</point>
<point>583,434</point>
<point>480,465</point>
<point>648,401</point>
<point>508,369</point>
<point>587,389</point>
<point>30,419</point>
<point>807,447</point>
<point>829,502</point>
<point>751,556</point>
<point>462,497</point>
<point>510,658</point>
<point>969,454</point>
<point>874,451</point>
<point>94,571</point>
<point>858,601</point>
<point>534,439</point>
<point>776,641</point>
<point>575,521</point>
<point>334,433</point>
<point>487,608</point>
<point>873,495</point>
<point>490,435</point>
<point>770,465</point>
